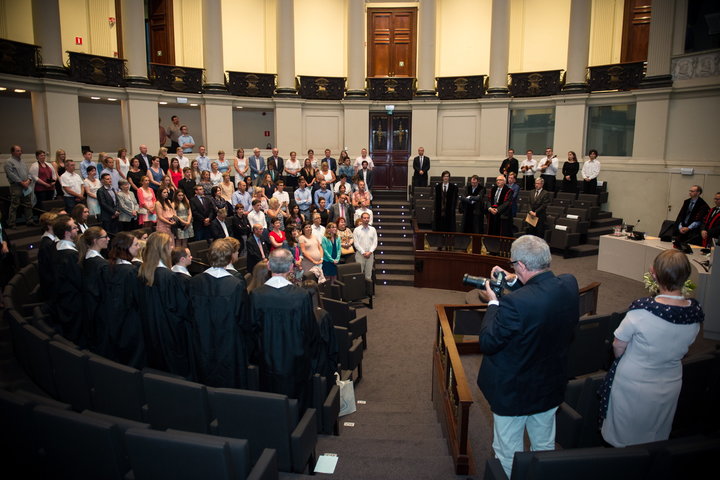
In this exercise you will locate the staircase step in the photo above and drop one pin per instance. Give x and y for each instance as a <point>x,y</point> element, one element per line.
<point>388,230</point>
<point>390,204</point>
<point>593,240</point>
<point>603,214</point>
<point>391,468</point>
<point>425,447</point>
<point>392,216</point>
<point>395,249</point>
<point>606,221</point>
<point>385,241</point>
<point>395,268</point>
<point>395,279</point>
<point>586,250</point>
<point>395,259</point>
<point>598,231</point>
<point>390,431</point>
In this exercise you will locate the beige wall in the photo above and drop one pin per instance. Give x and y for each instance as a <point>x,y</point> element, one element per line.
<point>606,31</point>
<point>16,21</point>
<point>321,37</point>
<point>538,35</point>
<point>463,37</point>
<point>187,17</point>
<point>88,19</point>
<point>249,30</point>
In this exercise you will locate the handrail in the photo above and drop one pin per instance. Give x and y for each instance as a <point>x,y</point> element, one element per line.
<point>451,392</point>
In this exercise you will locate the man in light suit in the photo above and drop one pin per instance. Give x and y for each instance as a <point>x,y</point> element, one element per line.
<point>421,165</point>
<point>538,201</point>
<point>257,164</point>
<point>525,337</point>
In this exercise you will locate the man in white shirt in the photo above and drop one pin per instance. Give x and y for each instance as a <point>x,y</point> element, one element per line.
<point>282,196</point>
<point>72,185</point>
<point>343,181</point>
<point>548,167</point>
<point>203,160</point>
<point>362,209</point>
<point>590,172</point>
<point>257,216</point>
<point>365,243</point>
<point>363,157</point>
<point>183,160</point>
<point>527,170</point>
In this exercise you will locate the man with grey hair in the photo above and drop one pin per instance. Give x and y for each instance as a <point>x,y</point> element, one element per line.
<point>283,314</point>
<point>525,337</point>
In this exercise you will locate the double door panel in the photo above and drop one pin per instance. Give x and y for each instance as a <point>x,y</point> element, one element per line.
<point>390,148</point>
<point>392,42</point>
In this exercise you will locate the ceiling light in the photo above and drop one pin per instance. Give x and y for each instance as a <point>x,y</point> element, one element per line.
<point>19,90</point>
<point>162,103</point>
<point>94,98</point>
<point>193,104</point>
<point>2,89</point>
<point>239,108</point>
<point>112,99</point>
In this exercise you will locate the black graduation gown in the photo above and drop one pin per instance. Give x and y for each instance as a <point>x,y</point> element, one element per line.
<point>165,314</point>
<point>93,290</point>
<point>288,331</point>
<point>123,339</point>
<point>471,206</point>
<point>325,359</point>
<point>68,311</point>
<point>220,320</point>
<point>46,251</point>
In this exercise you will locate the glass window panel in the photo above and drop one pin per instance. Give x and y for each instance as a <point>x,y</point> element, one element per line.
<point>532,128</point>
<point>611,129</point>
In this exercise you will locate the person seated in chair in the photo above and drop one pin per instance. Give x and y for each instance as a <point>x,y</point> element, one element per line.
<point>690,219</point>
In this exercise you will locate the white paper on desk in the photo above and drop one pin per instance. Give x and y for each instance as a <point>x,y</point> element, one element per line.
<point>326,463</point>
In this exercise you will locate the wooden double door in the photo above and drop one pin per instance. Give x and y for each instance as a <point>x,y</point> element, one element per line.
<point>390,149</point>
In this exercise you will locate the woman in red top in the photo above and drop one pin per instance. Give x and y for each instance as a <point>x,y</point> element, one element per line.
<point>277,235</point>
<point>175,171</point>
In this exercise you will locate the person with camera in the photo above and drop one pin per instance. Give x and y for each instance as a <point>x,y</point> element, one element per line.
<point>525,336</point>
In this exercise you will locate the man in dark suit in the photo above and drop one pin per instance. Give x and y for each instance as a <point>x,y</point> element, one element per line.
<point>365,174</point>
<point>203,212</point>
<point>219,228</point>
<point>446,197</point>
<point>332,163</point>
<point>109,211</point>
<point>690,219</point>
<point>471,206</point>
<point>525,337</point>
<point>538,201</point>
<point>258,248</point>
<point>342,208</point>
<point>421,165</point>
<point>711,227</point>
<point>279,162</point>
<point>144,158</point>
<point>510,164</point>
<point>499,209</point>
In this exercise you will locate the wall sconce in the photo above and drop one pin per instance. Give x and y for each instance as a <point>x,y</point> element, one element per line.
<point>112,21</point>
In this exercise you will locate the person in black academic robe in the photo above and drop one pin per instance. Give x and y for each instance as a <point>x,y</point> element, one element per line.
<point>499,209</point>
<point>219,306</point>
<point>471,205</point>
<point>325,359</point>
<point>123,341</point>
<point>282,314</point>
<point>93,291</point>
<point>68,295</point>
<point>446,197</point>
<point>165,314</point>
<point>46,272</point>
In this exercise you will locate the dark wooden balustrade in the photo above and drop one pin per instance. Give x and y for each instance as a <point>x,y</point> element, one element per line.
<point>456,88</point>
<point>535,84</point>
<point>322,88</point>
<point>618,76</point>
<point>97,70</point>
<point>391,88</point>
<point>17,58</point>
<point>247,84</point>
<point>176,79</point>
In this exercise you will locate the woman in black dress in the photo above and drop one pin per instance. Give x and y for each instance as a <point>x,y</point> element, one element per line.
<point>570,171</point>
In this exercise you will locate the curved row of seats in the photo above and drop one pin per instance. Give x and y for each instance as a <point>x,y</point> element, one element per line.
<point>84,382</point>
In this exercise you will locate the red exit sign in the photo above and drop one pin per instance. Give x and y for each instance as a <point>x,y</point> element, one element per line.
<point>78,40</point>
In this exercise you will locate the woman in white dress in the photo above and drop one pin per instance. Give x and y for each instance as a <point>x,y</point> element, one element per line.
<point>122,163</point>
<point>215,174</point>
<point>292,170</point>
<point>92,185</point>
<point>640,394</point>
<point>240,166</point>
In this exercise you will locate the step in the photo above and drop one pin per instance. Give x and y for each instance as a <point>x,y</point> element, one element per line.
<point>593,241</point>
<point>395,259</point>
<point>390,431</point>
<point>598,231</point>
<point>385,241</point>
<point>386,203</point>
<point>394,249</point>
<point>418,407</point>
<point>392,468</point>
<point>395,279</point>
<point>21,231</point>
<point>607,221</point>
<point>390,230</point>
<point>603,214</point>
<point>586,250</point>
<point>424,447</point>
<point>395,268</point>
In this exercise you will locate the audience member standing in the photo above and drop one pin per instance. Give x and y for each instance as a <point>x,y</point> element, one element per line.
<point>510,164</point>
<point>499,209</point>
<point>527,169</point>
<point>590,172</point>
<point>446,197</point>
<point>173,131</point>
<point>20,182</point>
<point>144,159</point>
<point>569,172</point>
<point>471,205</point>
<point>365,242</point>
<point>109,205</point>
<point>44,178</point>
<point>127,206</point>
<point>67,299</point>
<point>256,163</point>
<point>421,166</point>
<point>538,201</point>
<point>93,265</point>
<point>203,212</point>
<point>548,167</point>
<point>72,185</point>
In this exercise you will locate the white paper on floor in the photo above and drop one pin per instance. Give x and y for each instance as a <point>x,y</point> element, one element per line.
<point>326,463</point>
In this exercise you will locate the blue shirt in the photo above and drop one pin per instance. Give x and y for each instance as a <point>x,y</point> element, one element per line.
<point>84,166</point>
<point>303,198</point>
<point>327,195</point>
<point>186,139</point>
<point>203,163</point>
<point>244,198</point>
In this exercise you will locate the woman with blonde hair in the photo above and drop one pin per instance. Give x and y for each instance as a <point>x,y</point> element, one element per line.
<point>260,275</point>
<point>331,251</point>
<point>59,166</point>
<point>227,188</point>
<point>183,214</point>
<point>122,163</point>
<point>164,309</point>
<point>274,211</point>
<point>146,201</point>
<point>215,174</point>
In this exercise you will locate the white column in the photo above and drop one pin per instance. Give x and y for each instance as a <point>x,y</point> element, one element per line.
<point>140,118</point>
<point>578,46</point>
<point>56,118</point>
<point>499,48</point>
<point>285,48</point>
<point>217,120</point>
<point>46,28</point>
<point>133,37</point>
<point>660,44</point>
<point>356,48</point>
<point>213,46</point>
<point>426,50</point>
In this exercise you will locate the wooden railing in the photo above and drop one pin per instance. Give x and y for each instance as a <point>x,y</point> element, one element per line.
<point>535,84</point>
<point>451,392</point>
<point>619,76</point>
<point>321,88</point>
<point>19,58</point>
<point>247,84</point>
<point>97,69</point>
<point>174,78</point>
<point>456,88</point>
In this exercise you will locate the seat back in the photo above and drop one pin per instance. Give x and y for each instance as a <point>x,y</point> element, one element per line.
<point>555,210</point>
<point>116,389</point>
<point>589,463</point>
<point>176,454</point>
<point>588,352</point>
<point>169,400</point>
<point>264,419</point>
<point>591,198</point>
<point>70,372</point>
<point>566,195</point>
<point>40,365</point>
<point>589,295</point>
<point>78,446</point>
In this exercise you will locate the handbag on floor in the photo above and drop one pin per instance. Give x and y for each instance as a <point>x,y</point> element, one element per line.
<point>347,396</point>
